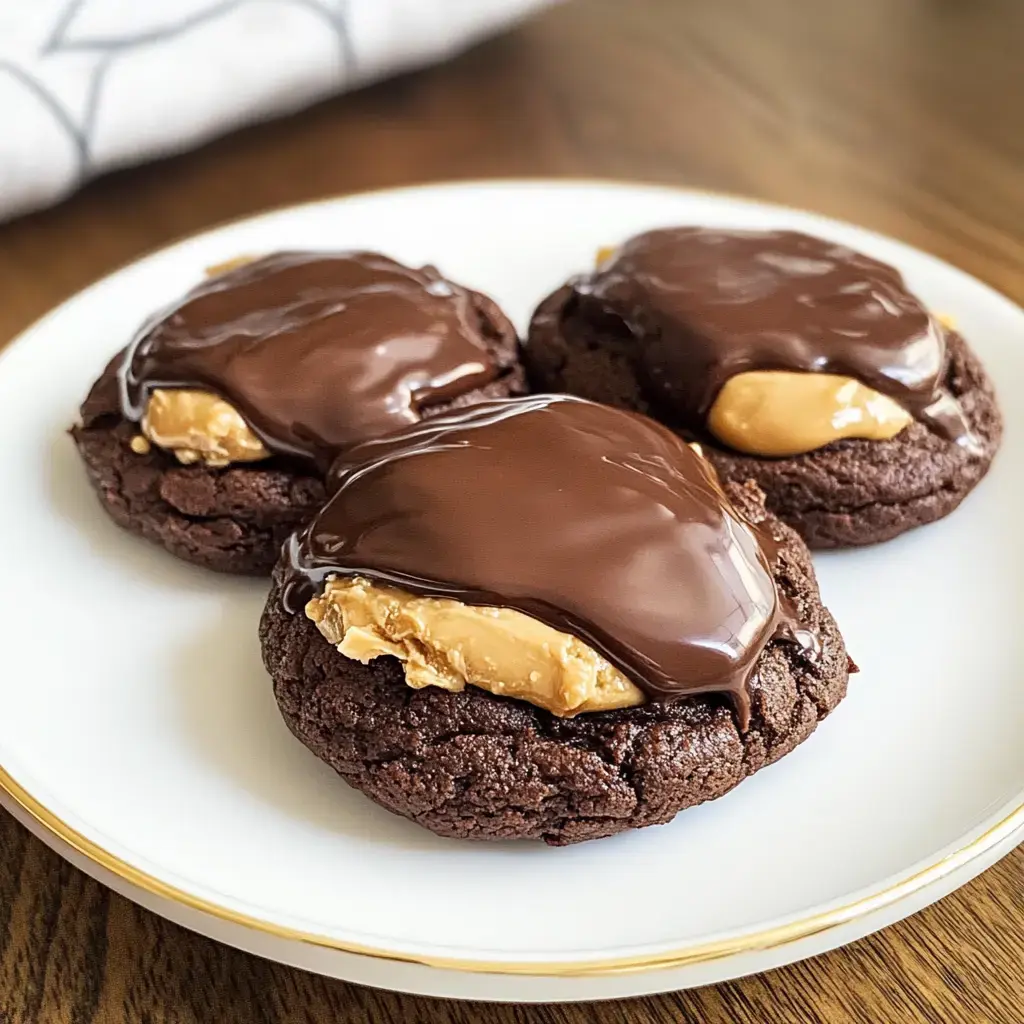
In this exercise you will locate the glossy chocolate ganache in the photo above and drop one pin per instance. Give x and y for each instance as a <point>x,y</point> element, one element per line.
<point>708,304</point>
<point>315,350</point>
<point>598,522</point>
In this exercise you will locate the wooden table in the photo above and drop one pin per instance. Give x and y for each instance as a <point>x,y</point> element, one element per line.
<point>904,115</point>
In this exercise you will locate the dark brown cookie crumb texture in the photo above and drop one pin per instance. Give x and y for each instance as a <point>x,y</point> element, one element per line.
<point>474,766</point>
<point>848,493</point>
<point>234,519</point>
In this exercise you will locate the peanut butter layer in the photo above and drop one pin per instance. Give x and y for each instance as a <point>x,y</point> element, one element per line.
<point>226,266</point>
<point>778,413</point>
<point>199,427</point>
<point>443,642</point>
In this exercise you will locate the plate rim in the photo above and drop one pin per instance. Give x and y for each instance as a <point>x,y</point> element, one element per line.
<point>754,941</point>
<point>751,941</point>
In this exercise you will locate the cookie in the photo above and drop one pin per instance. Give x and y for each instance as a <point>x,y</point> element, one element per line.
<point>472,765</point>
<point>288,372</point>
<point>682,320</point>
<point>475,759</point>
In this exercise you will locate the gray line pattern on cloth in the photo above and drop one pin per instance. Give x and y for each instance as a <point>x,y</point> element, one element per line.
<point>55,107</point>
<point>80,133</point>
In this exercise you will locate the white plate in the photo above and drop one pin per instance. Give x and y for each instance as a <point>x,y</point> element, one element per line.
<point>139,736</point>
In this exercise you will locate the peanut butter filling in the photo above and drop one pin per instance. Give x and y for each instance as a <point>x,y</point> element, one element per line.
<point>443,642</point>
<point>777,413</point>
<point>226,265</point>
<point>199,427</point>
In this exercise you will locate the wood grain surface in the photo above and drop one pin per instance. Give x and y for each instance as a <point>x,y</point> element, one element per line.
<point>904,115</point>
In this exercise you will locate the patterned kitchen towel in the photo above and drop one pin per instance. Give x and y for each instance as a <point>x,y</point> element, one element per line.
<point>88,85</point>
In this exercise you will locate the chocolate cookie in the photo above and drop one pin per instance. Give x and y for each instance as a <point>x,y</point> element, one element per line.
<point>471,765</point>
<point>737,657</point>
<point>678,316</point>
<point>310,351</point>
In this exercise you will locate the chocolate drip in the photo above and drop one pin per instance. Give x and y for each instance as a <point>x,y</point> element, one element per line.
<point>315,350</point>
<point>599,522</point>
<point>707,304</point>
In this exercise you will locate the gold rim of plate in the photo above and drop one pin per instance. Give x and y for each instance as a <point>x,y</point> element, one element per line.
<point>698,953</point>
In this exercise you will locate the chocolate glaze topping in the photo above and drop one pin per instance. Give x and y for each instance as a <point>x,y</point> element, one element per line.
<point>315,350</point>
<point>708,304</point>
<point>599,522</point>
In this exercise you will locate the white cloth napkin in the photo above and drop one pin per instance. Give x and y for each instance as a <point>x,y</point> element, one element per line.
<point>88,85</point>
